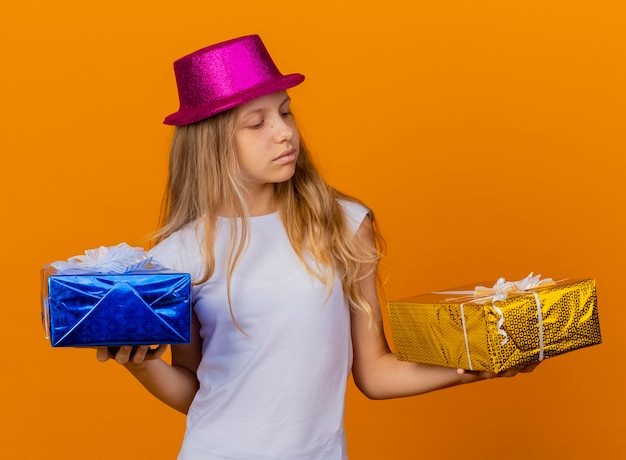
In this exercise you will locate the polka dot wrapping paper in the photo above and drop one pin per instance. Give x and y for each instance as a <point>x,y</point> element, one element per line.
<point>457,331</point>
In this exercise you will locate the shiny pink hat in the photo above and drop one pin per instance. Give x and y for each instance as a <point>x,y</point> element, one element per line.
<point>225,75</point>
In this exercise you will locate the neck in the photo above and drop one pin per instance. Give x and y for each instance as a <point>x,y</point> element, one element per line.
<point>262,201</point>
<point>259,201</point>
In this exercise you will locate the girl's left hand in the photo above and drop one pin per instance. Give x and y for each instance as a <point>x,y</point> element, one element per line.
<point>512,372</point>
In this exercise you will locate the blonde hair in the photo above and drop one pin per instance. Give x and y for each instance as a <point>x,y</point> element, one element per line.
<point>204,178</point>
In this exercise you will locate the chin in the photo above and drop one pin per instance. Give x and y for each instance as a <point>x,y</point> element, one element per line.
<point>284,177</point>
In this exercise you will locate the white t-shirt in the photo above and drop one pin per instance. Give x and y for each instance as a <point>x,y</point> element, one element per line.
<point>277,391</point>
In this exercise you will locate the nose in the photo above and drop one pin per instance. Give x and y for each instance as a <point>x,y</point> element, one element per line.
<point>283,129</point>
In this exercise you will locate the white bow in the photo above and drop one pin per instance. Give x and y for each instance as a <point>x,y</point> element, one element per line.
<point>502,288</point>
<point>112,259</point>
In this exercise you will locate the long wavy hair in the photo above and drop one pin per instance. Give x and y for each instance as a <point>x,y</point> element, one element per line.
<point>205,178</point>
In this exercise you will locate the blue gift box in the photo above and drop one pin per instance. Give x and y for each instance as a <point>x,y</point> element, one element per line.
<point>134,308</point>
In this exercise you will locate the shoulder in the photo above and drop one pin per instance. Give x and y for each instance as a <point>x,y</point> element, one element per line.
<point>354,213</point>
<point>182,251</point>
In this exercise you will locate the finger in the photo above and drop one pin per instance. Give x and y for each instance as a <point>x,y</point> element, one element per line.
<point>123,355</point>
<point>487,375</point>
<point>477,375</point>
<point>530,367</point>
<point>102,354</point>
<point>519,369</point>
<point>509,373</point>
<point>158,351</point>
<point>140,354</point>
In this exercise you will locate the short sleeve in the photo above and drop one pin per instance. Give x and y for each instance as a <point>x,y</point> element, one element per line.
<point>354,213</point>
<point>181,251</point>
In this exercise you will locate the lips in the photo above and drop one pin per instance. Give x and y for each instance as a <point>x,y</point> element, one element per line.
<point>286,157</point>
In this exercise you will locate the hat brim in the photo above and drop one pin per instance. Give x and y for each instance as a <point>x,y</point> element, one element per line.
<point>189,116</point>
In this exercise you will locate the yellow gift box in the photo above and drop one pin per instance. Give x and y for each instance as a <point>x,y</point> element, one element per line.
<point>496,328</point>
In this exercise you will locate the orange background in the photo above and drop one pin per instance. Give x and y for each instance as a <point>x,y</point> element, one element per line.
<point>487,136</point>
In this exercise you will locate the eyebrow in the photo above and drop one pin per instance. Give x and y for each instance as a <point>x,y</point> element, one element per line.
<point>261,109</point>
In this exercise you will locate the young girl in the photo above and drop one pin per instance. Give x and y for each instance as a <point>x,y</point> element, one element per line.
<point>285,301</point>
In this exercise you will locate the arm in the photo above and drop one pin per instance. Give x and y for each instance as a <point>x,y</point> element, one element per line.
<point>175,384</point>
<point>376,370</point>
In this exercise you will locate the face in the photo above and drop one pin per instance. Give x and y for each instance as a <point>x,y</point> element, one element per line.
<point>267,141</point>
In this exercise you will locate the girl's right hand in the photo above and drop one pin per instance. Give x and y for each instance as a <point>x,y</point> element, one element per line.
<point>129,354</point>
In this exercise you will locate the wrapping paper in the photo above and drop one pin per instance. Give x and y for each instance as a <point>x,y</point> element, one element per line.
<point>133,303</point>
<point>477,332</point>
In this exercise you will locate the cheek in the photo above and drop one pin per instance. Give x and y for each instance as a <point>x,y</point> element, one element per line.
<point>244,145</point>
<point>296,133</point>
